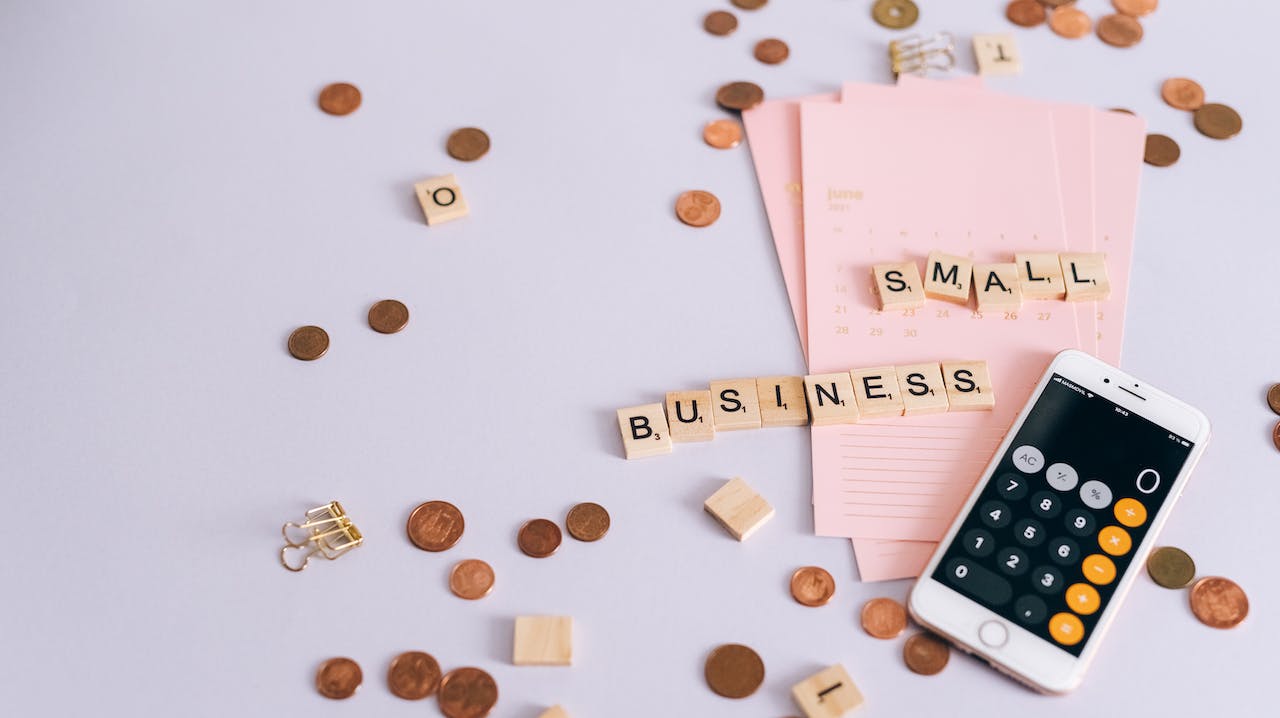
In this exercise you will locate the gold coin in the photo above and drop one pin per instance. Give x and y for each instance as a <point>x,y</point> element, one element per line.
<point>471,579</point>
<point>467,144</point>
<point>926,654</point>
<point>749,4</point>
<point>1182,93</point>
<point>1135,8</point>
<point>1025,13</point>
<point>539,538</point>
<point>338,678</point>
<point>1120,30</point>
<point>435,526</point>
<point>308,343</point>
<point>722,134</point>
<point>883,618</point>
<point>1218,121</point>
<point>413,675</point>
<point>587,522</point>
<point>772,51</point>
<point>340,98</point>
<point>812,586</point>
<point>1161,151</point>
<point>1171,567</point>
<point>895,14</point>
<point>734,671</point>
<point>1069,22</point>
<point>697,208</point>
<point>1273,398</point>
<point>739,96</point>
<point>388,316</point>
<point>1219,602</point>
<point>720,22</point>
<point>467,693</point>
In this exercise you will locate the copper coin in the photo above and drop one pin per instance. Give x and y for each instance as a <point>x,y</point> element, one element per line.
<point>697,208</point>
<point>471,579</point>
<point>1051,4</point>
<point>1135,8</point>
<point>1121,110</point>
<point>1219,602</point>
<point>308,343</point>
<point>435,526</point>
<point>749,4</point>
<point>812,586</point>
<point>1275,436</point>
<point>734,671</point>
<point>720,22</point>
<point>1120,30</point>
<point>338,678</point>
<point>539,538</point>
<point>388,316</point>
<point>772,51</point>
<point>739,96</point>
<point>1218,121</point>
<point>587,522</point>
<point>883,618</point>
<point>895,14</point>
<point>1161,151</point>
<point>467,693</point>
<point>1182,93</point>
<point>1070,22</point>
<point>1273,398</point>
<point>1171,567</point>
<point>413,675</point>
<point>926,654</point>
<point>467,144</point>
<point>722,134</point>
<point>340,98</point>
<point>1025,13</point>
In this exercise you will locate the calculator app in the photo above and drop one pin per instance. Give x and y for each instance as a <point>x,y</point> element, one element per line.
<point>1057,524</point>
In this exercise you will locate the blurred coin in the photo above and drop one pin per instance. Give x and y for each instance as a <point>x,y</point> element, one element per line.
<point>338,678</point>
<point>435,526</point>
<point>720,22</point>
<point>883,618</point>
<point>1070,22</point>
<point>697,208</point>
<point>1025,13</point>
<point>1218,121</point>
<point>308,343</point>
<point>1171,567</point>
<point>587,522</point>
<point>772,51</point>
<point>340,98</point>
<point>467,693</point>
<point>734,671</point>
<point>895,14</point>
<point>812,586</point>
<point>467,144</point>
<point>1121,110</point>
<point>926,654</point>
<point>739,96</point>
<point>539,538</point>
<point>1275,436</point>
<point>1161,151</point>
<point>1218,602</point>
<point>750,4</point>
<point>722,134</point>
<point>1055,3</point>
<point>388,316</point>
<point>1135,8</point>
<point>1273,398</point>
<point>471,579</point>
<point>1182,93</point>
<point>1120,30</point>
<point>413,675</point>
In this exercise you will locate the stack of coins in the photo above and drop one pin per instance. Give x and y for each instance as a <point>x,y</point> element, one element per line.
<point>1119,29</point>
<point>1212,119</point>
<point>1216,601</point>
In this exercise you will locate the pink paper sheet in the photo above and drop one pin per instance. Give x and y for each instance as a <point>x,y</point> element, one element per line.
<point>1119,143</point>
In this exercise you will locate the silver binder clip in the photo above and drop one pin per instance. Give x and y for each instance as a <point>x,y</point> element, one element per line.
<point>919,54</point>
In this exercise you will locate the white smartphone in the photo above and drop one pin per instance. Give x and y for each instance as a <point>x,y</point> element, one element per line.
<point>1039,559</point>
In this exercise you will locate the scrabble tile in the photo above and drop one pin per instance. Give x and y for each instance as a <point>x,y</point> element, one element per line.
<point>997,54</point>
<point>948,277</point>
<point>689,416</point>
<point>734,404</point>
<point>997,287</point>
<point>782,401</point>
<point>644,431</point>
<point>543,641</point>
<point>968,386</point>
<point>898,285</point>
<point>1040,275</point>
<point>876,391</point>
<point>922,389</point>
<point>830,693</point>
<point>831,399</point>
<point>554,712</point>
<point>739,508</point>
<point>1085,276</point>
<point>441,199</point>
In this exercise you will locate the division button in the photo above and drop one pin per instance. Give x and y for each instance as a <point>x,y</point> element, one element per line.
<point>1131,512</point>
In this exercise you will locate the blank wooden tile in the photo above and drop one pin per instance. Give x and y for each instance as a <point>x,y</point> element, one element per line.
<point>554,712</point>
<point>543,641</point>
<point>1085,276</point>
<point>997,287</point>
<point>876,392</point>
<point>830,693</point>
<point>831,399</point>
<point>997,54</point>
<point>968,386</point>
<point>948,277</point>
<point>441,199</point>
<point>734,404</point>
<point>782,401</point>
<point>922,389</point>
<point>739,508</point>
<point>644,431</point>
<point>689,416</point>
<point>898,285</point>
<point>1040,275</point>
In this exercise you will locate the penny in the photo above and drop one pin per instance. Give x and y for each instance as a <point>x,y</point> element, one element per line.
<point>1275,436</point>
<point>895,14</point>
<point>413,675</point>
<point>1135,8</point>
<point>1161,151</point>
<point>772,51</point>
<point>1069,22</point>
<point>539,538</point>
<point>1121,110</point>
<point>388,316</point>
<point>734,671</point>
<point>1218,121</point>
<point>471,579</point>
<point>926,654</point>
<point>1171,567</point>
<point>467,144</point>
<point>720,22</point>
<point>1051,4</point>
<point>1219,602</point>
<point>1025,13</point>
<point>883,618</point>
<point>338,678</point>
<point>722,134</point>
<point>1182,93</point>
<point>812,586</point>
<point>739,96</point>
<point>308,343</point>
<point>467,693</point>
<point>750,4</point>
<point>1273,398</point>
<point>435,526</point>
<point>340,98</point>
<point>697,208</point>
<point>1120,30</point>
<point>587,522</point>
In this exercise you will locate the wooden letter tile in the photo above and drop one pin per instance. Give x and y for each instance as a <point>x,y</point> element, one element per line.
<point>782,401</point>
<point>441,199</point>
<point>831,399</point>
<point>948,277</point>
<point>829,693</point>
<point>997,287</point>
<point>968,386</point>
<point>644,431</point>
<point>543,641</point>
<point>739,508</point>
<point>734,404</point>
<point>1085,276</point>
<point>922,389</point>
<point>1040,275</point>
<point>554,712</point>
<point>997,54</point>
<point>898,285</point>
<point>689,416</point>
<point>876,391</point>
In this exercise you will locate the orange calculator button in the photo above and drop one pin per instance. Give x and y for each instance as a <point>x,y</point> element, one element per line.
<point>1114,540</point>
<point>1083,598</point>
<point>1131,512</point>
<point>1098,569</point>
<point>1066,629</point>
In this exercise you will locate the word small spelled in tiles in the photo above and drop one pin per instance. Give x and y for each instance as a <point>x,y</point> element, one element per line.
<point>998,287</point>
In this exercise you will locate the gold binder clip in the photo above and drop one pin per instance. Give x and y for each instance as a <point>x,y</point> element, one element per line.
<point>326,530</point>
<point>918,54</point>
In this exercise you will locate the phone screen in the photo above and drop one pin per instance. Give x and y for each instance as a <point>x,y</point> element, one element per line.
<point>1056,526</point>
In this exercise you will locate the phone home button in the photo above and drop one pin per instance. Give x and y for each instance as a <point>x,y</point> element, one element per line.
<point>993,633</point>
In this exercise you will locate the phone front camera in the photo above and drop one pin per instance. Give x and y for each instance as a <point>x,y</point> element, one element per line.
<point>1106,381</point>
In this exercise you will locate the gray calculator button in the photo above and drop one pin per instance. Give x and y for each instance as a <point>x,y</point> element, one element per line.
<point>1028,459</point>
<point>1095,494</point>
<point>1062,477</point>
